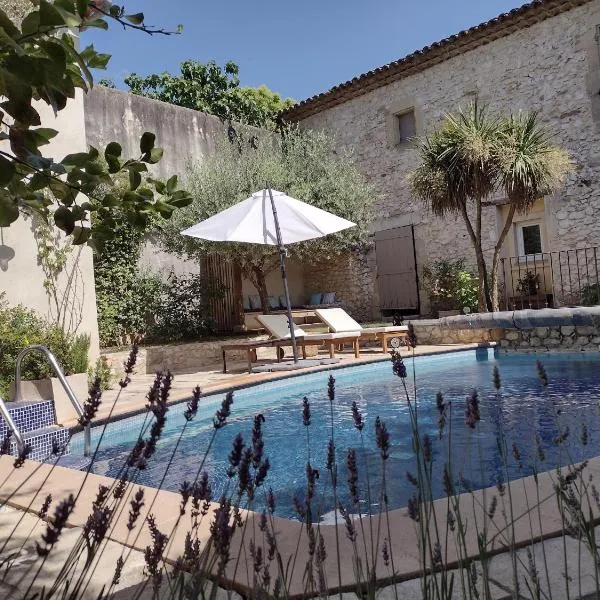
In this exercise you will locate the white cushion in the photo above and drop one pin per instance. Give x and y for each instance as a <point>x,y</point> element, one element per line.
<point>278,326</point>
<point>332,336</point>
<point>390,329</point>
<point>337,319</point>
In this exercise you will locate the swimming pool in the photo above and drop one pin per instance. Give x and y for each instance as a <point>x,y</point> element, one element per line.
<point>522,411</point>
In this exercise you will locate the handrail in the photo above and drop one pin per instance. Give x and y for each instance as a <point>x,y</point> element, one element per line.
<point>87,438</point>
<point>11,425</point>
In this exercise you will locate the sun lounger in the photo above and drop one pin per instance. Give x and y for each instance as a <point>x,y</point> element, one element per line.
<point>278,328</point>
<point>339,321</point>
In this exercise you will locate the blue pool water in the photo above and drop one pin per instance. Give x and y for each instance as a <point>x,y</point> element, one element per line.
<point>521,412</point>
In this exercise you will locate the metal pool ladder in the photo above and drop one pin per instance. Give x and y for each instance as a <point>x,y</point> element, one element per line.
<point>87,437</point>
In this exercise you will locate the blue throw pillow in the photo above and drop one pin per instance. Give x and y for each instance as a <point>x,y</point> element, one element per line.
<point>246,303</point>
<point>255,302</point>
<point>328,298</point>
<point>273,302</point>
<point>282,302</point>
<point>315,299</point>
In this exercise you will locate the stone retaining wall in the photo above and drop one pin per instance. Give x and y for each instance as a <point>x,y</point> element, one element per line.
<point>430,332</point>
<point>189,357</point>
<point>567,337</point>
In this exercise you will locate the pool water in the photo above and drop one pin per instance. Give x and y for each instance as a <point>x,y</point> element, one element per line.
<point>521,412</point>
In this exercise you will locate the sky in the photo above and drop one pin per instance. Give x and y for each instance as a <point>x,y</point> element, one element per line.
<point>297,49</point>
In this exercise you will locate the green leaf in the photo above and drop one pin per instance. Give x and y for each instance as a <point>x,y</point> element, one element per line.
<point>82,7</point>
<point>7,170</point>
<point>154,156</point>
<point>7,40</point>
<point>113,149</point>
<point>161,188</point>
<point>8,25</point>
<point>31,23</point>
<point>78,212</point>
<point>78,159</point>
<point>99,61</point>
<point>172,184</point>
<point>147,193</point>
<point>147,142</point>
<point>65,9</point>
<point>181,202</point>
<point>98,23</point>
<point>134,179</point>
<point>110,200</point>
<point>63,218</point>
<point>114,165</point>
<point>49,15</point>
<point>81,235</point>
<point>9,210</point>
<point>135,165</point>
<point>136,19</point>
<point>61,190</point>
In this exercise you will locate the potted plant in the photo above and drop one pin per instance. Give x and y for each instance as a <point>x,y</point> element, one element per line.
<point>450,287</point>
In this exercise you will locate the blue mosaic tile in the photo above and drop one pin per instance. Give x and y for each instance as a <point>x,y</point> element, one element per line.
<point>29,416</point>
<point>42,442</point>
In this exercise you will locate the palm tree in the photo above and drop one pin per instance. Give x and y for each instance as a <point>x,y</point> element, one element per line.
<point>530,167</point>
<point>458,167</point>
<point>473,155</point>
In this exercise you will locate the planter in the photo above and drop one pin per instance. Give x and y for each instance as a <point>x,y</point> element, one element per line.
<point>51,389</point>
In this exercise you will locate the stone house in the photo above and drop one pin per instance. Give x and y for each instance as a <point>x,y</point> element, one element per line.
<point>544,56</point>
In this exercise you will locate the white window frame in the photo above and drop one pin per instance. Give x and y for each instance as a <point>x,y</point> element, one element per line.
<point>538,256</point>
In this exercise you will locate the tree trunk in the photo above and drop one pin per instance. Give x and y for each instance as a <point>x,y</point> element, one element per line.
<point>239,321</point>
<point>260,283</point>
<point>496,257</point>
<point>483,297</point>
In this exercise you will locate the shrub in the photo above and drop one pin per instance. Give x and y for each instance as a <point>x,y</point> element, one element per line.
<point>183,311</point>
<point>529,284</point>
<point>103,371</point>
<point>126,299</point>
<point>590,294</point>
<point>21,327</point>
<point>450,286</point>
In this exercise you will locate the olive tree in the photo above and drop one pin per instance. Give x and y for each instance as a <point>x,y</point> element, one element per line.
<point>304,165</point>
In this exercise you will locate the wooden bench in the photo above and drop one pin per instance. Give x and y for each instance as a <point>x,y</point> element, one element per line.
<point>301,342</point>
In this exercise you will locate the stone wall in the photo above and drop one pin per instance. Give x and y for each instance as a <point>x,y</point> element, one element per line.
<point>188,357</point>
<point>552,66</point>
<point>566,338</point>
<point>430,332</point>
<point>350,276</point>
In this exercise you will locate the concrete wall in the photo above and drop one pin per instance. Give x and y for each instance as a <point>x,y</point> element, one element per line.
<point>186,136</point>
<point>552,66</point>
<point>21,277</point>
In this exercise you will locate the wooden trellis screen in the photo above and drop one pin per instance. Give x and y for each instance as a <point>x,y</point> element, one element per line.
<point>227,310</point>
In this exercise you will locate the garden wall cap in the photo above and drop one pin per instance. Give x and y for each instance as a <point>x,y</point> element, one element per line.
<point>526,319</point>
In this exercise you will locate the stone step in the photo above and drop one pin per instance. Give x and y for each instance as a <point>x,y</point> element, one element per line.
<point>43,440</point>
<point>29,416</point>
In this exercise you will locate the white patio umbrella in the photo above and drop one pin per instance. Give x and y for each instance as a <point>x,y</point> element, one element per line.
<point>272,218</point>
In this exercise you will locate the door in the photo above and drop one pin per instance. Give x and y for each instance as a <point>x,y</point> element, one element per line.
<point>397,270</point>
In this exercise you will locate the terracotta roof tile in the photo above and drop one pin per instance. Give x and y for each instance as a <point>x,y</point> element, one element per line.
<point>500,26</point>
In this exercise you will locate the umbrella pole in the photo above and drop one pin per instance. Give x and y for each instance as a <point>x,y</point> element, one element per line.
<point>281,249</point>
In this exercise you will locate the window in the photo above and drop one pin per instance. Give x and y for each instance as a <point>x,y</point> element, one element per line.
<point>529,239</point>
<point>407,126</point>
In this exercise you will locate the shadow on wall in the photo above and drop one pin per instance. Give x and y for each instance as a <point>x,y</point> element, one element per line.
<point>7,253</point>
